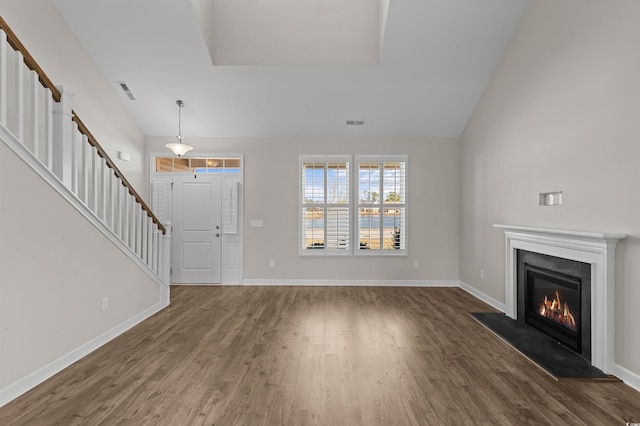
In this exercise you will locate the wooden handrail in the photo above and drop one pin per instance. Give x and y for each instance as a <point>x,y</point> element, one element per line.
<point>31,63</point>
<point>102,153</point>
<point>28,60</point>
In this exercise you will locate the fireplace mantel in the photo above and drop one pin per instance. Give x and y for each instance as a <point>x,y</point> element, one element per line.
<point>595,248</point>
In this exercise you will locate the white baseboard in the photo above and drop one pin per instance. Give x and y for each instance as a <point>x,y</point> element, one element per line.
<point>627,376</point>
<point>30,381</point>
<point>480,295</point>
<point>351,283</point>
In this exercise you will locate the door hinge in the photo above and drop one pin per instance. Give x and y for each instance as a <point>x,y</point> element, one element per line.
<point>170,271</point>
<point>172,185</point>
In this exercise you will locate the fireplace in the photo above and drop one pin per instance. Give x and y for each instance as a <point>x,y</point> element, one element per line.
<point>596,249</point>
<point>554,296</point>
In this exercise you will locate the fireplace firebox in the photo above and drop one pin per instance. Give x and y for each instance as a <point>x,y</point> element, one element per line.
<point>552,305</point>
<point>554,296</point>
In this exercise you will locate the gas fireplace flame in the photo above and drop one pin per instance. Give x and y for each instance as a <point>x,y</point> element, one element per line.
<point>558,312</point>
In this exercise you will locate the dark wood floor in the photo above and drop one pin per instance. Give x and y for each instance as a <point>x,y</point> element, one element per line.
<point>316,355</point>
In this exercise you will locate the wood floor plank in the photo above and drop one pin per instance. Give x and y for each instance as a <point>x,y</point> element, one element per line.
<point>315,356</point>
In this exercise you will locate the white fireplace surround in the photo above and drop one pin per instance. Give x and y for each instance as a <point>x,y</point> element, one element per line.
<point>597,249</point>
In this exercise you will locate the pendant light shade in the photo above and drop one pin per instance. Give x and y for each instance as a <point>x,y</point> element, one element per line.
<point>178,147</point>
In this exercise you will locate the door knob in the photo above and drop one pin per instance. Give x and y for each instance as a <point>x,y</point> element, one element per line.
<point>217,235</point>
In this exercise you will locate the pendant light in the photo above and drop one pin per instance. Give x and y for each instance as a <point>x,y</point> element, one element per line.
<point>178,147</point>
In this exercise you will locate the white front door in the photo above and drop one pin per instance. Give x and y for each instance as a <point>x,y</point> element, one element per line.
<point>196,248</point>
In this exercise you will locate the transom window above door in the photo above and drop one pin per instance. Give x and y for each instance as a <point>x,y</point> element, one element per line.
<point>198,165</point>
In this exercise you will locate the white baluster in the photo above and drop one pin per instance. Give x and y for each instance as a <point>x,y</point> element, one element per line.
<point>142,233</point>
<point>34,112</point>
<point>76,139</point>
<point>104,189</point>
<point>132,220</point>
<point>48,130</point>
<point>3,78</point>
<point>117,208</point>
<point>152,248</point>
<point>85,162</point>
<point>138,218</point>
<point>124,214</point>
<point>20,97</point>
<point>144,229</point>
<point>156,246</point>
<point>150,226</point>
<point>93,181</point>
<point>111,206</point>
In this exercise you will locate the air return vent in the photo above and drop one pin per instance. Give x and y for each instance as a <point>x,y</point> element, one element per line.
<point>125,88</point>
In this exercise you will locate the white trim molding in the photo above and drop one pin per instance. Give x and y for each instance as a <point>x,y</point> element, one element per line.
<point>480,295</point>
<point>627,376</point>
<point>30,381</point>
<point>597,249</point>
<point>351,283</point>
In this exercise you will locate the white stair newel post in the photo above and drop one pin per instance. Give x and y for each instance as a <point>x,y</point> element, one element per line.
<point>165,273</point>
<point>62,128</point>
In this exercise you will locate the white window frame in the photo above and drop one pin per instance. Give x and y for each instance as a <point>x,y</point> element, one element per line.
<point>302,205</point>
<point>354,206</point>
<point>403,206</point>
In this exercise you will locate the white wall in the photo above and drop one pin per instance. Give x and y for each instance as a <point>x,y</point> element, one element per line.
<point>47,37</point>
<point>55,268</point>
<point>561,113</point>
<point>271,191</point>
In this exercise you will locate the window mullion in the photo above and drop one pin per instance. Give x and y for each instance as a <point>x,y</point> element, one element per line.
<point>326,210</point>
<point>381,204</point>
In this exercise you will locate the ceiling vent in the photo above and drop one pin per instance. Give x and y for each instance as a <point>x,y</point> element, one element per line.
<point>355,122</point>
<point>125,88</point>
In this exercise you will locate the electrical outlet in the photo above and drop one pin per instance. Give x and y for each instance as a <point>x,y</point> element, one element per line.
<point>482,274</point>
<point>416,263</point>
<point>272,263</point>
<point>105,303</point>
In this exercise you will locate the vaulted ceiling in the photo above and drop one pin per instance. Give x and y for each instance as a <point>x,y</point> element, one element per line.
<point>294,68</point>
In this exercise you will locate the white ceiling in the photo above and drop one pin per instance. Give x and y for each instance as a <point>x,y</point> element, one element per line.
<point>292,32</point>
<point>436,59</point>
